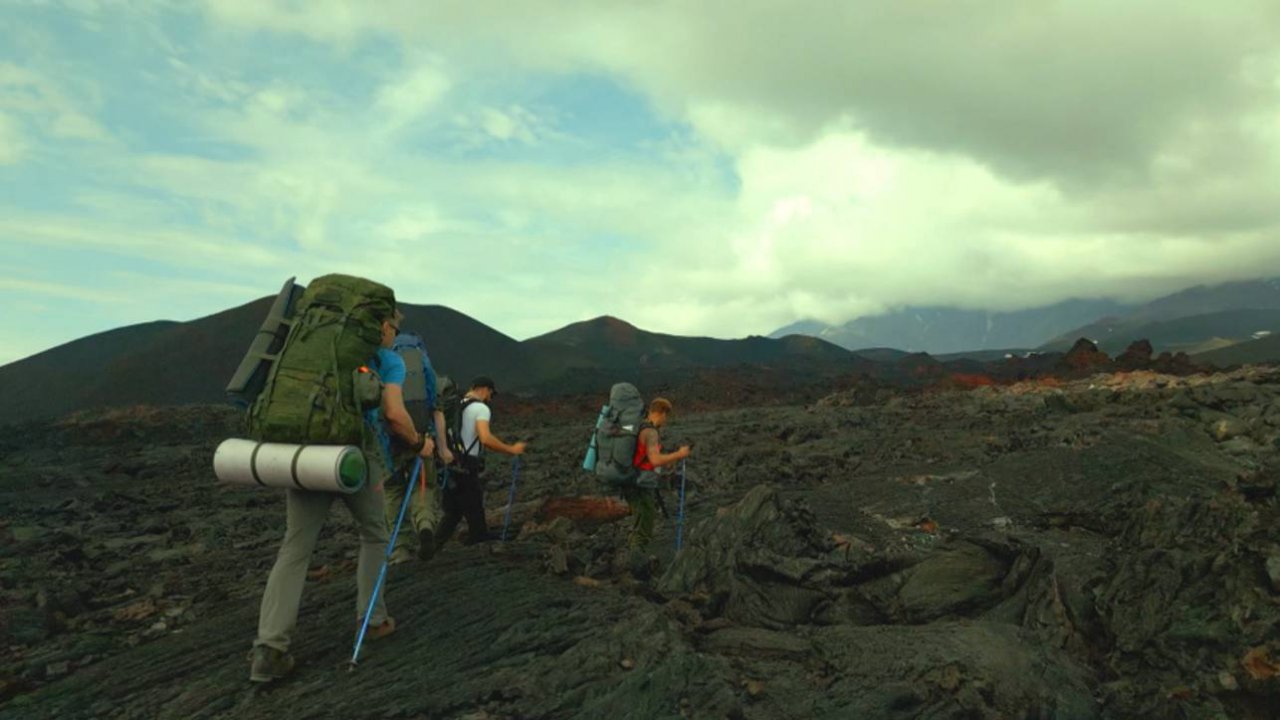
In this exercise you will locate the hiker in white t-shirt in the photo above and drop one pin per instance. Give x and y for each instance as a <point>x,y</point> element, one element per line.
<point>464,498</point>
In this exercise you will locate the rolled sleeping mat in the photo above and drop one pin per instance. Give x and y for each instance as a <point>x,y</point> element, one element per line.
<point>323,468</point>
<point>255,366</point>
<point>589,462</point>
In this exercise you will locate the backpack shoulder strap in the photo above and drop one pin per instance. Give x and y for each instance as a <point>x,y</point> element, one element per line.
<point>462,406</point>
<point>646,425</point>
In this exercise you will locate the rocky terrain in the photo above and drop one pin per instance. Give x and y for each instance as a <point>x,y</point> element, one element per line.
<point>1105,547</point>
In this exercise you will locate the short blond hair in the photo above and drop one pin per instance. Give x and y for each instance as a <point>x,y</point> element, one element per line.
<point>660,405</point>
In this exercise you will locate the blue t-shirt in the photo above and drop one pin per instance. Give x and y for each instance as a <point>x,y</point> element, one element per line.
<point>390,368</point>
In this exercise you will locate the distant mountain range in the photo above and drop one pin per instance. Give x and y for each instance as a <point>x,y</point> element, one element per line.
<point>1264,349</point>
<point>191,362</point>
<point>168,362</point>
<point>1199,318</point>
<point>942,330</point>
<point>1195,320</point>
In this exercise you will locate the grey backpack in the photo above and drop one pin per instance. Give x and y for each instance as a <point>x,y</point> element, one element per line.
<point>419,380</point>
<point>616,435</point>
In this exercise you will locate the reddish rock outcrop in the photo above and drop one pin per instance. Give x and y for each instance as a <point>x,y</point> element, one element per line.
<point>1085,356</point>
<point>1137,355</point>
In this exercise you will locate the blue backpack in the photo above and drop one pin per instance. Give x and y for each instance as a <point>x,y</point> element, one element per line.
<point>419,380</point>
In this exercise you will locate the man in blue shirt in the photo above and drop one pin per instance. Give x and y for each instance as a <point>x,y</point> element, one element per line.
<point>306,513</point>
<point>420,394</point>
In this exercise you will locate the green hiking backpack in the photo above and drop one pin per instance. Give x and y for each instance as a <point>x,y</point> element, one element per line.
<point>320,385</point>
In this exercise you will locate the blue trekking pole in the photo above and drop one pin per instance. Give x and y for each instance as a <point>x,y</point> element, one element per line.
<point>511,497</point>
<point>382,574</point>
<point>680,515</point>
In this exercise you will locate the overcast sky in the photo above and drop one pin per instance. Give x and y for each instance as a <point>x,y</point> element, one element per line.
<point>718,168</point>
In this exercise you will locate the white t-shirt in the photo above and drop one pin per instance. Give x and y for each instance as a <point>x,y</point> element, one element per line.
<point>471,414</point>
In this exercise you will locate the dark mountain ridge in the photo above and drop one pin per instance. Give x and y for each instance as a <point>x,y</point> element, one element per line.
<point>1185,319</point>
<point>169,363</point>
<point>612,343</point>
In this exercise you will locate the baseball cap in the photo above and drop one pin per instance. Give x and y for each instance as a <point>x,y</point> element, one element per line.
<point>484,381</point>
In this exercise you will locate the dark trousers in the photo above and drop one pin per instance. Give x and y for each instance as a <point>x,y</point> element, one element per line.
<point>463,499</point>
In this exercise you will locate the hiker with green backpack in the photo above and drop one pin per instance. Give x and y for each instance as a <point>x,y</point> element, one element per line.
<point>335,382</point>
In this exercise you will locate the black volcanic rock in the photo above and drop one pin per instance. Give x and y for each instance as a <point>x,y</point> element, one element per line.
<point>753,561</point>
<point>1137,355</point>
<point>890,555</point>
<point>1175,364</point>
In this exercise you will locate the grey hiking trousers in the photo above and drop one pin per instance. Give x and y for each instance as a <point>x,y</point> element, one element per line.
<point>424,510</point>
<point>306,513</point>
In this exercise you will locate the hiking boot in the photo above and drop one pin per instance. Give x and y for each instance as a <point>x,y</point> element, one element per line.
<point>377,632</point>
<point>269,664</point>
<point>400,555</point>
<point>485,537</point>
<point>641,565</point>
<point>426,545</point>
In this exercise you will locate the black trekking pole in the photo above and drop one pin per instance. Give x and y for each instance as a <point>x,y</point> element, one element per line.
<point>382,574</point>
<point>680,515</point>
<point>511,497</point>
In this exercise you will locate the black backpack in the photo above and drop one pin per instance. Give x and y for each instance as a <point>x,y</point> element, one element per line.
<point>452,404</point>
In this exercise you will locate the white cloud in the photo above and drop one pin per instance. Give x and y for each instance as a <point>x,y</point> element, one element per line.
<point>163,244</point>
<point>406,100</point>
<point>62,111</point>
<point>12,148</point>
<point>512,124</point>
<point>330,20</point>
<point>842,227</point>
<point>411,226</point>
<point>59,290</point>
